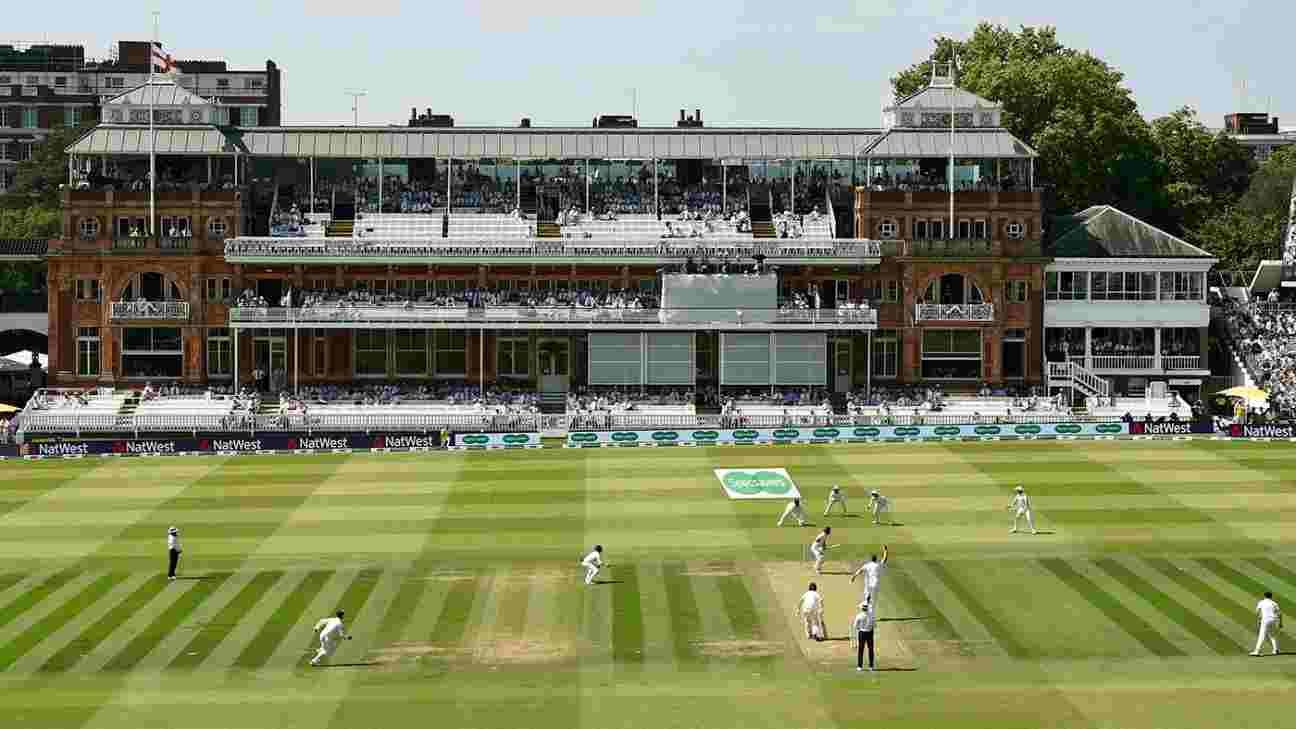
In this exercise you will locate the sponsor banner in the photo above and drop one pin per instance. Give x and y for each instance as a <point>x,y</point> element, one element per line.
<point>1262,431</point>
<point>222,443</point>
<point>1204,427</point>
<point>837,434</point>
<point>496,440</point>
<point>757,483</point>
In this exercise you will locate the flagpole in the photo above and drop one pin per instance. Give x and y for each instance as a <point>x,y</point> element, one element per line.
<point>152,141</point>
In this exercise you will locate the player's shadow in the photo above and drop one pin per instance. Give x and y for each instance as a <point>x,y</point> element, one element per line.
<point>904,620</point>
<point>837,572</point>
<point>905,670</point>
<point>194,578</point>
<point>835,640</point>
<point>608,582</point>
<point>358,664</point>
<point>1042,532</point>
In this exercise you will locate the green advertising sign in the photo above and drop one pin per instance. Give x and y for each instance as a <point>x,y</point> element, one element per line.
<point>665,436</point>
<point>1110,428</point>
<point>476,439</point>
<point>1067,428</point>
<point>626,436</point>
<point>583,437</point>
<point>988,430</point>
<point>1026,429</point>
<point>757,483</point>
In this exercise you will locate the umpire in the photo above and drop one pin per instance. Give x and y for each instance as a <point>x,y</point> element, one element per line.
<point>862,635</point>
<point>173,552</point>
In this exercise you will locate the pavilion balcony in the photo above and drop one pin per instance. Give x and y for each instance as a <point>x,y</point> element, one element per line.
<point>150,310</point>
<point>954,312</point>
<point>1106,363</point>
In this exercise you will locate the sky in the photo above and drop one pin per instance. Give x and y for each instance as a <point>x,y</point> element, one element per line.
<point>822,63</point>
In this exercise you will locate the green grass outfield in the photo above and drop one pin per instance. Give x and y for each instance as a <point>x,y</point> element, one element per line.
<point>460,579</point>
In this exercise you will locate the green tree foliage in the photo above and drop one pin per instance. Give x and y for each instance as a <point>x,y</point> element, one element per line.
<point>1207,171</point>
<point>1252,229</point>
<point>38,178</point>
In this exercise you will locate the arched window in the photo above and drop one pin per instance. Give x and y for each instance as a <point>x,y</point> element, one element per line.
<point>953,288</point>
<point>88,227</point>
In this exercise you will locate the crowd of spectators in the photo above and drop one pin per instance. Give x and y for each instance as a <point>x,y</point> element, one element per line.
<point>575,298</point>
<point>1265,337</point>
<point>290,223</point>
<point>938,182</point>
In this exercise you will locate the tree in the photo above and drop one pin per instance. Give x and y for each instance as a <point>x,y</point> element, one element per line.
<point>1071,107</point>
<point>39,177</point>
<point>1243,234</point>
<point>1207,171</point>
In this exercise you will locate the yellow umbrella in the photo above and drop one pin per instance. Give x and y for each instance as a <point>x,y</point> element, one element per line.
<point>7,408</point>
<point>1252,395</point>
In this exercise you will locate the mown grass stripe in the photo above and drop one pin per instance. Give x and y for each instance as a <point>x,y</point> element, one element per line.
<point>10,579</point>
<point>358,592</point>
<point>1135,626</point>
<point>1243,582</point>
<point>401,609</point>
<point>62,615</point>
<point>456,611</point>
<point>216,630</point>
<point>741,607</point>
<point>1207,594</point>
<point>513,600</point>
<point>993,626</point>
<point>1213,637</point>
<point>167,622</point>
<point>933,620</point>
<point>32,597</point>
<point>686,619</point>
<point>1275,569</point>
<point>92,636</point>
<point>627,617</point>
<point>261,647</point>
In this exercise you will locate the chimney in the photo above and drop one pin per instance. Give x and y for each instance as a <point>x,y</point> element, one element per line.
<point>413,113</point>
<point>698,114</point>
<point>428,111</point>
<point>681,115</point>
<point>526,122</point>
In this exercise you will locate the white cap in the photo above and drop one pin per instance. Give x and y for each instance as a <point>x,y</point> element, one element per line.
<point>875,492</point>
<point>1019,488</point>
<point>836,487</point>
<point>173,530</point>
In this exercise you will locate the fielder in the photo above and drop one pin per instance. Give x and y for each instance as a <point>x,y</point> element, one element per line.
<point>879,505</point>
<point>811,609</point>
<point>836,497</point>
<point>872,571</point>
<point>1270,622</point>
<point>819,549</point>
<point>330,633</point>
<point>1021,507</point>
<point>593,563</point>
<point>793,511</point>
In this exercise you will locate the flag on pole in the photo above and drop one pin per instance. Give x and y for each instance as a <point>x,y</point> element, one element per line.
<point>162,61</point>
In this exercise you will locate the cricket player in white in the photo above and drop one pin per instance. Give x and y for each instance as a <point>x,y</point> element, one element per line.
<point>879,505</point>
<point>872,571</point>
<point>1270,622</point>
<point>330,633</point>
<point>1020,507</point>
<point>835,497</point>
<point>793,511</point>
<point>811,609</point>
<point>819,549</point>
<point>593,563</point>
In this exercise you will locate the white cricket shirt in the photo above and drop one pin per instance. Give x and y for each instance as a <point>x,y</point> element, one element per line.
<point>330,628</point>
<point>173,541</point>
<point>872,572</point>
<point>593,559</point>
<point>811,601</point>
<point>1268,610</point>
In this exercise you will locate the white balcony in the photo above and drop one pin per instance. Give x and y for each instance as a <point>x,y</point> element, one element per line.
<point>1140,363</point>
<point>155,310</point>
<point>954,312</point>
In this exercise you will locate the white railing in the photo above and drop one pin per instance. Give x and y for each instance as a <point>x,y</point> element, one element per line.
<point>170,310</point>
<point>1122,362</point>
<point>1181,362</point>
<point>422,314</point>
<point>646,248</point>
<point>954,312</point>
<point>1070,374</point>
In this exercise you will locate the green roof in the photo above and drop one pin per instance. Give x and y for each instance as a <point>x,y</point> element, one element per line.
<point>1103,231</point>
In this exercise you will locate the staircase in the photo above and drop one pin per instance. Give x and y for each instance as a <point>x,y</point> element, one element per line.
<point>761,209</point>
<point>126,413</point>
<point>553,403</point>
<point>548,229</point>
<point>1069,374</point>
<point>340,229</point>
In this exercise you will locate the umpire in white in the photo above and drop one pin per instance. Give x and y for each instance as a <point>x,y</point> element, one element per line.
<point>173,552</point>
<point>862,635</point>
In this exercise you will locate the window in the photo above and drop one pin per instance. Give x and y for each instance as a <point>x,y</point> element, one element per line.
<point>980,230</point>
<point>88,227</point>
<point>319,357</point>
<point>1014,335</point>
<point>512,357</point>
<point>88,352</point>
<point>936,229</point>
<point>216,228</point>
<point>29,118</point>
<point>841,290</point>
<point>220,353</point>
<point>920,230</point>
<point>965,229</point>
<point>891,292</point>
<point>115,82</point>
<point>33,81</point>
<point>71,116</point>
<point>253,83</point>
<point>451,352</point>
<point>1182,286</point>
<point>60,81</point>
<point>220,288</point>
<point>1015,230</point>
<point>6,79</point>
<point>1017,291</point>
<point>370,353</point>
<point>886,353</point>
<point>222,83</point>
<point>987,119</point>
<point>888,229</point>
<point>248,116</point>
<point>87,289</point>
<point>411,352</point>
<point>1067,285</point>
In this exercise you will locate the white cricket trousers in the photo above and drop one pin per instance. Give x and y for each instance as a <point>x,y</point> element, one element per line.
<point>814,619</point>
<point>590,572</point>
<point>326,648</point>
<point>871,590</point>
<point>878,511</point>
<point>818,553</point>
<point>841,501</point>
<point>1030,519</point>
<point>1268,629</point>
<point>797,514</point>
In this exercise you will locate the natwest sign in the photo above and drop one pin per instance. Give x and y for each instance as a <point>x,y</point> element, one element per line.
<point>1263,431</point>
